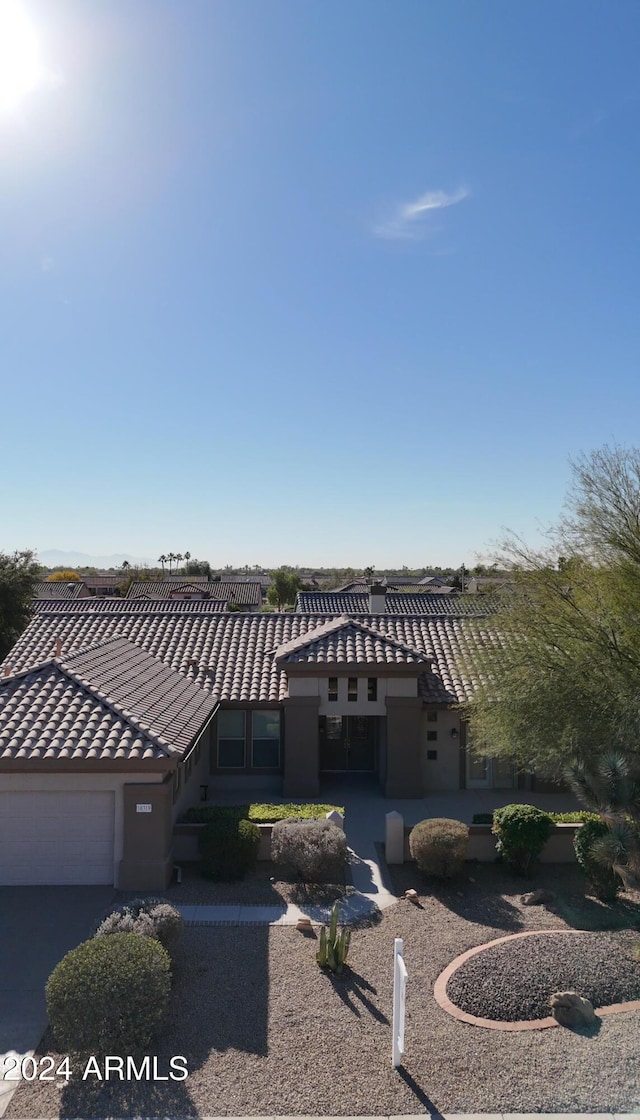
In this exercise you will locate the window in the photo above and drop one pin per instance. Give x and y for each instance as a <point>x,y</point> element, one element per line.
<point>432,736</point>
<point>372,688</point>
<point>352,689</point>
<point>265,739</point>
<point>432,717</point>
<point>231,739</point>
<point>333,688</point>
<point>432,756</point>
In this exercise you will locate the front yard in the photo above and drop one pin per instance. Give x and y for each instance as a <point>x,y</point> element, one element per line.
<point>265,1032</point>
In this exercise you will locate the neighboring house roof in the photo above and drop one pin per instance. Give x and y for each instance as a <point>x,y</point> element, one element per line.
<point>135,606</point>
<point>59,589</point>
<point>105,582</point>
<point>244,594</point>
<point>110,701</point>
<point>233,656</point>
<point>400,602</point>
<point>343,641</point>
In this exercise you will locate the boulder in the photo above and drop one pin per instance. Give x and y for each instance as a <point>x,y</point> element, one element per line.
<point>570,1009</point>
<point>537,898</point>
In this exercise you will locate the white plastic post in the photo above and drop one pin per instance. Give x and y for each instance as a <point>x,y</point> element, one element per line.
<point>394,838</point>
<point>400,977</point>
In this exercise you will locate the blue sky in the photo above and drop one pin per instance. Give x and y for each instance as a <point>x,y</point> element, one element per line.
<point>315,282</point>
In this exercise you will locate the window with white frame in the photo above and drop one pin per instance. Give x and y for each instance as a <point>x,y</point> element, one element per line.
<point>265,739</point>
<point>231,739</point>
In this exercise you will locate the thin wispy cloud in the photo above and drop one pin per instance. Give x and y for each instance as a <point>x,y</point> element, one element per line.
<point>411,221</point>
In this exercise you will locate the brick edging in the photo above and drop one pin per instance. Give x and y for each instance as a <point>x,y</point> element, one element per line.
<point>441,997</point>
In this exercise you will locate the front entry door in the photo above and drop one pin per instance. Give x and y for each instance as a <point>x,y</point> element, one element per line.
<point>478,771</point>
<point>348,743</point>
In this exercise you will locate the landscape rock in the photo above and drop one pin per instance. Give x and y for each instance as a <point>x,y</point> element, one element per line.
<point>570,1009</point>
<point>537,898</point>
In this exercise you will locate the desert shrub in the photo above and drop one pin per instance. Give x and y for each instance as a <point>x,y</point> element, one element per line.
<point>316,850</point>
<point>439,846</point>
<point>522,832</point>
<point>601,877</point>
<point>229,848</point>
<point>110,994</point>
<point>151,917</point>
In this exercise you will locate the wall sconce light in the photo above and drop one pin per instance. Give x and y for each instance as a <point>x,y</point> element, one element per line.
<point>454,732</point>
<point>203,792</point>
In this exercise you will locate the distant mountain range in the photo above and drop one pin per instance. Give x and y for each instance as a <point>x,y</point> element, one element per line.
<point>55,557</point>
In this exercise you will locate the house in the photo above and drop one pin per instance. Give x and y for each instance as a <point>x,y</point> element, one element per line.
<point>60,589</point>
<point>378,599</point>
<point>116,715</point>
<point>105,583</point>
<point>247,595</point>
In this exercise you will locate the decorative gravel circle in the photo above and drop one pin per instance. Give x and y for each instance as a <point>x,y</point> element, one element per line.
<point>506,984</point>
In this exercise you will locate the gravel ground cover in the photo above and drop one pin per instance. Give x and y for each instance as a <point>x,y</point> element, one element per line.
<point>515,980</point>
<point>262,887</point>
<point>267,1033</point>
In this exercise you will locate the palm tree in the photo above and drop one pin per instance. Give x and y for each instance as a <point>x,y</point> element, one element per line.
<point>179,559</point>
<point>162,560</point>
<point>171,557</point>
<point>187,557</point>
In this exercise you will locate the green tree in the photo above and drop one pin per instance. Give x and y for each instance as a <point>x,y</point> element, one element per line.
<point>284,587</point>
<point>197,567</point>
<point>18,575</point>
<point>559,670</point>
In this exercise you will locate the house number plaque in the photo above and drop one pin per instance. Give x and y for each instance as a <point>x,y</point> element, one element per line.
<point>143,807</point>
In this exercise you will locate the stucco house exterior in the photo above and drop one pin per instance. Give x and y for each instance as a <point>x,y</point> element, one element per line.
<point>116,715</point>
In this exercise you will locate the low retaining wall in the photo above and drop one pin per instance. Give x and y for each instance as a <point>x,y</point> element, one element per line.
<point>185,840</point>
<point>482,844</point>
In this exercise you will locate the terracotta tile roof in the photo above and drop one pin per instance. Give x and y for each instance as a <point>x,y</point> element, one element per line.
<point>400,602</point>
<point>110,701</point>
<point>105,581</point>
<point>117,606</point>
<point>244,594</point>
<point>343,641</point>
<point>59,589</point>
<point>234,654</point>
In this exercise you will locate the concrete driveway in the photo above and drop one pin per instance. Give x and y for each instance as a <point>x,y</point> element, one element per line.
<point>38,925</point>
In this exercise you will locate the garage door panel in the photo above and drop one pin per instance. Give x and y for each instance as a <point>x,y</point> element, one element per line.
<point>56,838</point>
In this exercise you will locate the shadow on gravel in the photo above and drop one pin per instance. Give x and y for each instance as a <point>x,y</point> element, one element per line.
<point>351,986</point>
<point>420,1094</point>
<point>582,911</point>
<point>214,1006</point>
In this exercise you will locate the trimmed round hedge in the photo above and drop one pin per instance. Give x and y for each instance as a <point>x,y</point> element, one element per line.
<point>228,848</point>
<point>315,850</point>
<point>522,832</point>
<point>110,994</point>
<point>439,846</point>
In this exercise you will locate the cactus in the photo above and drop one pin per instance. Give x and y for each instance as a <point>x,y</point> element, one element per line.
<point>334,946</point>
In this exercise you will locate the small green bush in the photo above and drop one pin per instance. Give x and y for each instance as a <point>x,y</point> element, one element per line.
<point>316,850</point>
<point>439,847</point>
<point>258,813</point>
<point>522,832</point>
<point>603,880</point>
<point>109,995</point>
<point>229,848</point>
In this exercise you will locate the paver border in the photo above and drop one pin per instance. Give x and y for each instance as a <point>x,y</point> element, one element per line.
<point>441,997</point>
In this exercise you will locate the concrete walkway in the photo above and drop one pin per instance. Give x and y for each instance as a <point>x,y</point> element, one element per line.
<point>365,811</point>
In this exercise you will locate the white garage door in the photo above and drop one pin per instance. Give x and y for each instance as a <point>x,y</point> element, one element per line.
<point>56,838</point>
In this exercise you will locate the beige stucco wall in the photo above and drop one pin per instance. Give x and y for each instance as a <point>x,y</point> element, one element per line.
<point>189,792</point>
<point>319,686</point>
<point>77,782</point>
<point>444,772</point>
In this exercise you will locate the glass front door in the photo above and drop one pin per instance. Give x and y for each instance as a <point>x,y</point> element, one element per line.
<point>348,743</point>
<point>478,771</point>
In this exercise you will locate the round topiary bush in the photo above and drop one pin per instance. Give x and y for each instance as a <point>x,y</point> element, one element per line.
<point>602,879</point>
<point>110,994</point>
<point>439,846</point>
<point>315,850</point>
<point>522,832</point>
<point>228,848</point>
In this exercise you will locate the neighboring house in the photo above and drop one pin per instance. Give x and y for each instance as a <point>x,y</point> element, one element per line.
<point>60,589</point>
<point>248,596</point>
<point>106,583</point>
<point>486,584</point>
<point>378,599</point>
<point>114,714</point>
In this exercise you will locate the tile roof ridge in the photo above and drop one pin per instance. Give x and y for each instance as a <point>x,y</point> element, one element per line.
<point>404,646</point>
<point>329,626</point>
